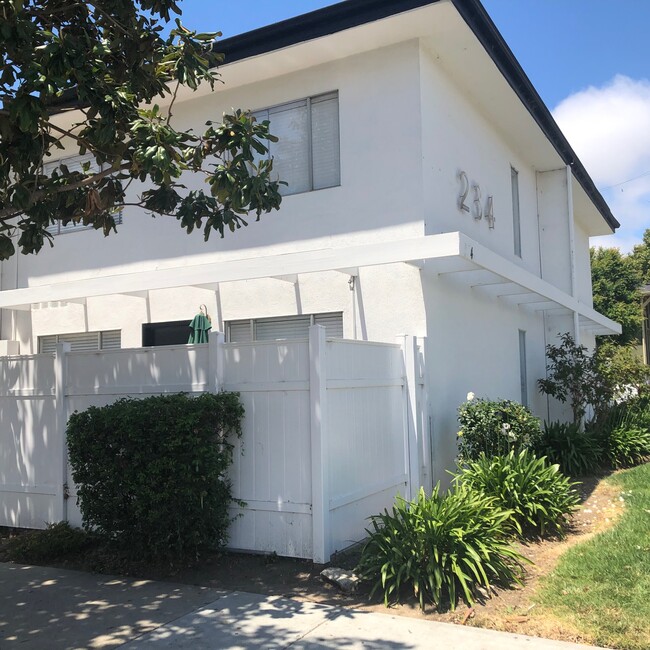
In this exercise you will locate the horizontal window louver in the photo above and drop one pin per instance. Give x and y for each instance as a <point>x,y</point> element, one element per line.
<point>111,340</point>
<point>240,331</point>
<point>286,327</point>
<point>46,344</point>
<point>82,341</point>
<point>333,323</point>
<point>269,329</point>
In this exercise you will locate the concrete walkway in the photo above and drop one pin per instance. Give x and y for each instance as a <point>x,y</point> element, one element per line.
<point>44,608</point>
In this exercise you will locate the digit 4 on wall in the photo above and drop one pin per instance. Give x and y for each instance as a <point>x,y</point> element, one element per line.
<point>476,209</point>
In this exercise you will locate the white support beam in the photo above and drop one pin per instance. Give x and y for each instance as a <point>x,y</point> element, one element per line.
<point>435,254</point>
<point>208,286</point>
<point>351,271</point>
<point>291,278</point>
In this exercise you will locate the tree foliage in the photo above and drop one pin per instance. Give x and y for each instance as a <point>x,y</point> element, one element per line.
<point>616,282</point>
<point>613,373</point>
<point>100,78</point>
<point>617,279</point>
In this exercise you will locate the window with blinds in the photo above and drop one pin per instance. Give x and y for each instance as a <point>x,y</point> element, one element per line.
<point>307,154</point>
<point>284,327</point>
<point>74,163</point>
<point>108,340</point>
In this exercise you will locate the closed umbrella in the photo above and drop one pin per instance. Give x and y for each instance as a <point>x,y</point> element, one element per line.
<point>200,326</point>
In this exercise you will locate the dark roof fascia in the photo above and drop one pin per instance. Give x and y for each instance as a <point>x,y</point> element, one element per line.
<point>489,36</point>
<point>315,24</point>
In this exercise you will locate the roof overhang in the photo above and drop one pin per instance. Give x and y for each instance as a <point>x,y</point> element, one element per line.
<point>450,255</point>
<point>468,44</point>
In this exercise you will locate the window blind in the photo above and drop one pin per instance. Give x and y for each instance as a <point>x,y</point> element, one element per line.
<point>325,141</point>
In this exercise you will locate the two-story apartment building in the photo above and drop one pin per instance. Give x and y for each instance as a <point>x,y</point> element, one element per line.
<point>430,193</point>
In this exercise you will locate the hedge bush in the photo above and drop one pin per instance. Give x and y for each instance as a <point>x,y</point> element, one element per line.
<point>540,498</point>
<point>577,452</point>
<point>151,472</point>
<point>494,427</point>
<point>438,547</point>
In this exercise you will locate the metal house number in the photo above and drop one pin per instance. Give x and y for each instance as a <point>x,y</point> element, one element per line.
<point>475,209</point>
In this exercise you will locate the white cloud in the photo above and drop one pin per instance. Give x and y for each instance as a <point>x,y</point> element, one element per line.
<point>609,129</point>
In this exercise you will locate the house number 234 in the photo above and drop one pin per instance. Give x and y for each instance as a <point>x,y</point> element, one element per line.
<point>475,206</point>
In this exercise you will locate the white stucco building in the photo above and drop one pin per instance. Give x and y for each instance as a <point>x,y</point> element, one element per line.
<point>430,194</point>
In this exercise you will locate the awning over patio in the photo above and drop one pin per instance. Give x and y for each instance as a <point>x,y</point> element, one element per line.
<point>448,254</point>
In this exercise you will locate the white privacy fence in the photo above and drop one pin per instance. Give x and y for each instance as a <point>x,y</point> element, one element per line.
<point>333,430</point>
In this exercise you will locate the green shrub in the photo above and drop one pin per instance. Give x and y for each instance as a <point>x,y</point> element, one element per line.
<point>439,546</point>
<point>628,446</point>
<point>539,496</point>
<point>576,452</point>
<point>494,427</point>
<point>151,472</point>
<point>58,541</point>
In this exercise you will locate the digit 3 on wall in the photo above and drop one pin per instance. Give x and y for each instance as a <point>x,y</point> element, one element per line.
<point>476,209</point>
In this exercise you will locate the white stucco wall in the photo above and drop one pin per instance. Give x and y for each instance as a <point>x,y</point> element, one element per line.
<point>457,136</point>
<point>473,345</point>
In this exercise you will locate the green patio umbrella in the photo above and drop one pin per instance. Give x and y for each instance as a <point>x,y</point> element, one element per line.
<point>200,326</point>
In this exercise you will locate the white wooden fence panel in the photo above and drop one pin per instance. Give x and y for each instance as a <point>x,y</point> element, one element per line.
<point>271,470</point>
<point>366,434</point>
<point>138,371</point>
<point>28,441</point>
<point>362,435</point>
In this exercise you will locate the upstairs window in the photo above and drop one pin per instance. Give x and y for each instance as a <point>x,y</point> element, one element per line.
<point>516,220</point>
<point>74,163</point>
<point>284,327</point>
<point>307,154</point>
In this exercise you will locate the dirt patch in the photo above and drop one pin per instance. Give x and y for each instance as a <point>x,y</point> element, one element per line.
<point>513,610</point>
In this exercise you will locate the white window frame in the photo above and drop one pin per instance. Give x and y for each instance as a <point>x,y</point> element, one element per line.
<point>57,228</point>
<point>262,114</point>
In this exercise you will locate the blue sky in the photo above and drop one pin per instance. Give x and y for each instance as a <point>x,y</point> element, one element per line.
<point>588,59</point>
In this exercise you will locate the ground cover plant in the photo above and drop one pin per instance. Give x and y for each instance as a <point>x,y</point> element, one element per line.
<point>538,496</point>
<point>577,452</point>
<point>602,586</point>
<point>151,473</point>
<point>439,547</point>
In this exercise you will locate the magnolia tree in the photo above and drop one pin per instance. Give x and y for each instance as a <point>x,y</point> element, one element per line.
<point>90,78</point>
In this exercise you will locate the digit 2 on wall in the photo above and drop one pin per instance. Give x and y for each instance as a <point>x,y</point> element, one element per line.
<point>476,209</point>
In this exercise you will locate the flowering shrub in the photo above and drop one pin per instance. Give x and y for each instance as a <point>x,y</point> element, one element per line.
<point>494,428</point>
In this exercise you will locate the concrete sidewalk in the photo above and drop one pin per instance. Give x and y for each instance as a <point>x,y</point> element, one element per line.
<point>44,608</point>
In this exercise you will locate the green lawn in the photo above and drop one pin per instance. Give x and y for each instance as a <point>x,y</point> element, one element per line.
<point>603,585</point>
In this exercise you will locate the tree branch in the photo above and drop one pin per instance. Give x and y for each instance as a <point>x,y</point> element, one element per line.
<point>10,213</point>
